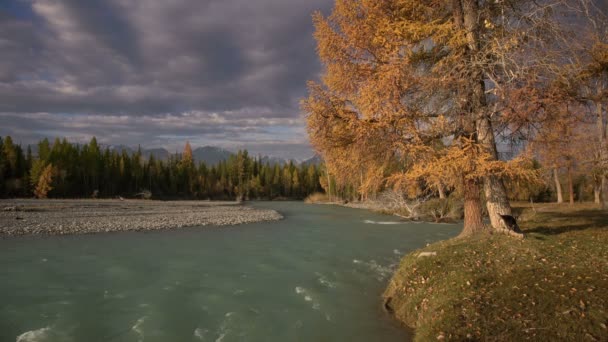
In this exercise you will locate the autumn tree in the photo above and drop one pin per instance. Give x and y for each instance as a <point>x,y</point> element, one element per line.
<point>417,72</point>
<point>187,154</point>
<point>44,182</point>
<point>563,143</point>
<point>38,166</point>
<point>589,76</point>
<point>555,109</point>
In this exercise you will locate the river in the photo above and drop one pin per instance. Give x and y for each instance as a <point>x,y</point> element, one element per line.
<point>317,275</point>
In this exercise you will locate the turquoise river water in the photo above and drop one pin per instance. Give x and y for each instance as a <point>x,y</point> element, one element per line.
<point>317,275</point>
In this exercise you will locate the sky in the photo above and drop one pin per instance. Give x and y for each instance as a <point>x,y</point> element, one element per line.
<point>227,73</point>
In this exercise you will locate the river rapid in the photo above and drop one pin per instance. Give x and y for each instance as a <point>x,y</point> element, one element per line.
<point>317,275</point>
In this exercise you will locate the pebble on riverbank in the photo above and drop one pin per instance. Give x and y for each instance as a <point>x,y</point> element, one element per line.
<point>63,217</point>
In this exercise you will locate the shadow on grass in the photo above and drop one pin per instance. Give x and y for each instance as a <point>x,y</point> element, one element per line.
<point>572,221</point>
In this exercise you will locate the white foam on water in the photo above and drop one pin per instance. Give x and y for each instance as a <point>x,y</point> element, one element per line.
<point>383,222</point>
<point>323,281</point>
<point>138,329</point>
<point>34,335</point>
<point>381,272</point>
<point>44,260</point>
<point>223,330</point>
<point>396,252</point>
<point>107,294</point>
<point>308,297</point>
<point>238,292</point>
<point>200,333</point>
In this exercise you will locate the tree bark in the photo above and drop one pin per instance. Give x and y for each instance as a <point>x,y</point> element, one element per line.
<point>570,186</point>
<point>497,201</point>
<point>328,186</point>
<point>441,190</point>
<point>558,186</point>
<point>597,188</point>
<point>360,185</point>
<point>603,154</point>
<point>473,223</point>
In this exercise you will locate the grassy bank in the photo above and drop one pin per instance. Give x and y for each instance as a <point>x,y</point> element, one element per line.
<point>553,285</point>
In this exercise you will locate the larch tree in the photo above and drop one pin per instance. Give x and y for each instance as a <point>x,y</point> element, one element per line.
<point>44,182</point>
<point>187,155</point>
<point>411,73</point>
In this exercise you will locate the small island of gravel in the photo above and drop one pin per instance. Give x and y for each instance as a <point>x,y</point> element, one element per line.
<point>62,217</point>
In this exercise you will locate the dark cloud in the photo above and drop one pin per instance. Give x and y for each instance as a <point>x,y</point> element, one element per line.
<point>72,61</point>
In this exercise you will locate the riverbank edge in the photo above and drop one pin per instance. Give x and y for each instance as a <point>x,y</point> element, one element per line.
<point>498,288</point>
<point>31,217</point>
<point>383,210</point>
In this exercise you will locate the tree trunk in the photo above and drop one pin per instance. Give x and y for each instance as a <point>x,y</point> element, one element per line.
<point>570,186</point>
<point>361,195</point>
<point>467,14</point>
<point>603,154</point>
<point>558,186</point>
<point>472,209</point>
<point>597,188</point>
<point>494,188</point>
<point>603,192</point>
<point>328,186</point>
<point>441,190</point>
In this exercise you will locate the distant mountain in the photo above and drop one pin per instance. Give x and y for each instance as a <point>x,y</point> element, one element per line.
<point>158,153</point>
<point>315,160</point>
<point>210,155</point>
<point>273,160</point>
<point>118,148</point>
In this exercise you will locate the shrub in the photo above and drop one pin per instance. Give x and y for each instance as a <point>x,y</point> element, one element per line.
<point>443,209</point>
<point>317,197</point>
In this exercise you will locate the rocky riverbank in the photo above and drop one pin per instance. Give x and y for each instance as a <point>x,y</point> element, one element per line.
<point>63,217</point>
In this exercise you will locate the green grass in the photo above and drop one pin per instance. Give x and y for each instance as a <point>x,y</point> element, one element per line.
<point>551,286</point>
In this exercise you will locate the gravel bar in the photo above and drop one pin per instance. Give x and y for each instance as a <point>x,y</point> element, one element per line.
<point>63,217</point>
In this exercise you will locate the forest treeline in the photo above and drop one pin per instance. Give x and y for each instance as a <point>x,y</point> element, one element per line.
<point>66,170</point>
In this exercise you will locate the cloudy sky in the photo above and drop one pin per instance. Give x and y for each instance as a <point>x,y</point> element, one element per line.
<point>228,73</point>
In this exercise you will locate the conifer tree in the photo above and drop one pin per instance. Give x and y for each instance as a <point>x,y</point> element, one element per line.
<point>187,158</point>
<point>407,73</point>
<point>44,182</point>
